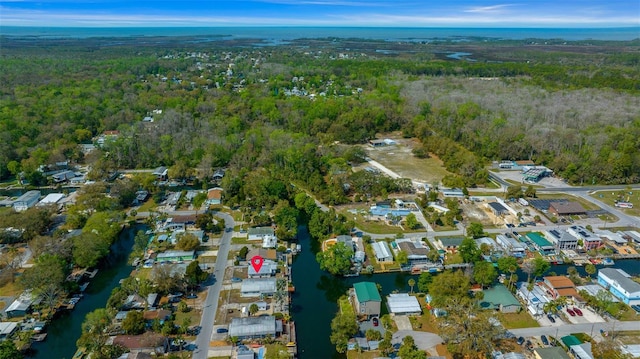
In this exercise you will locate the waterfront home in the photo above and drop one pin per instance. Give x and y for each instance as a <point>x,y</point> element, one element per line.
<point>134,301</point>
<point>589,240</point>
<point>534,298</point>
<point>416,251</point>
<point>256,287</point>
<point>7,329</point>
<point>560,286</point>
<point>382,251</point>
<point>269,254</point>
<point>562,239</point>
<point>267,269</point>
<point>255,327</point>
<point>403,304</point>
<point>500,298</point>
<point>26,201</point>
<point>175,256</point>
<point>258,233</point>
<point>620,284</point>
<point>148,342</point>
<point>21,306</point>
<point>367,299</point>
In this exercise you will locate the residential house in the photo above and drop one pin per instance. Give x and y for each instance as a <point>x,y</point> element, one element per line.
<point>534,299</point>
<point>452,192</point>
<point>7,329</point>
<point>107,136</point>
<point>258,233</point>
<point>382,251</point>
<point>161,315</point>
<point>255,327</point>
<point>403,304</point>
<point>451,244</point>
<point>267,254</point>
<point>367,299</point>
<point>589,240</point>
<point>269,242</point>
<point>620,284</point>
<point>500,298</point>
<point>149,342</point>
<point>53,199</point>
<point>214,196</point>
<point>541,243</point>
<point>562,239</point>
<point>175,256</point>
<point>415,250</point>
<point>63,176</point>
<point>218,174</point>
<point>582,351</point>
<point>21,306</point>
<point>511,245</point>
<point>133,302</point>
<point>256,287</point>
<point>26,201</point>
<point>243,352</point>
<point>488,241</point>
<point>173,198</point>
<point>268,269</point>
<point>560,286</point>
<point>566,208</point>
<point>152,300</point>
<point>161,173</point>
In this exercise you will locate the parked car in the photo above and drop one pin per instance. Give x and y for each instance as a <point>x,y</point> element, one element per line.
<point>520,340</point>
<point>544,340</point>
<point>578,311</point>
<point>571,312</point>
<point>375,321</point>
<point>222,330</point>
<point>551,319</point>
<point>529,345</point>
<point>236,280</point>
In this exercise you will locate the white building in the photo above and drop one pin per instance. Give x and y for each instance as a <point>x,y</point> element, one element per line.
<point>403,304</point>
<point>619,283</point>
<point>256,287</point>
<point>562,239</point>
<point>51,198</point>
<point>511,245</point>
<point>382,251</point>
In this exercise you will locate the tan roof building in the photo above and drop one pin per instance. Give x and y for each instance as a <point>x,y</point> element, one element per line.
<point>566,208</point>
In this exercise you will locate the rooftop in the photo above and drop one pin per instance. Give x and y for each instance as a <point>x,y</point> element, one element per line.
<point>498,295</point>
<point>403,303</point>
<point>367,292</point>
<point>622,278</point>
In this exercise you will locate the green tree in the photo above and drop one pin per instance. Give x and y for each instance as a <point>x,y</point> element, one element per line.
<point>8,350</point>
<point>475,230</point>
<point>469,250</point>
<point>336,260</point>
<point>412,221</point>
<point>541,266</point>
<point>46,278</point>
<point>133,323</point>
<point>484,273</point>
<point>187,242</point>
<point>243,252</point>
<point>449,285</point>
<point>590,269</point>
<point>343,327</point>
<point>409,350</point>
<point>286,219</point>
<point>372,334</point>
<point>194,275</point>
<point>140,242</point>
<point>88,249</point>
<point>198,200</point>
<point>93,336</point>
<point>514,191</point>
<point>424,281</point>
<point>530,191</point>
<point>253,309</point>
<point>412,283</point>
<point>402,258</point>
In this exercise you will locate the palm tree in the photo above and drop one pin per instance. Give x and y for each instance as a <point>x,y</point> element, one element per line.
<point>412,282</point>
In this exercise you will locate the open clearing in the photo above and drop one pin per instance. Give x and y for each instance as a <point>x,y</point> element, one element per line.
<point>399,159</point>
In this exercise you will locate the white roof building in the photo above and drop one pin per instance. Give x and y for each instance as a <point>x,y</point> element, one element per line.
<point>382,251</point>
<point>403,303</point>
<point>51,198</point>
<point>255,287</point>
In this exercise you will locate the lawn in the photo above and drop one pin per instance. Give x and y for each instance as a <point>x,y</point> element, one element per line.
<point>354,354</point>
<point>11,289</point>
<point>275,351</point>
<point>193,316</point>
<point>399,159</point>
<point>147,206</point>
<point>609,197</point>
<point>242,240</point>
<point>517,320</point>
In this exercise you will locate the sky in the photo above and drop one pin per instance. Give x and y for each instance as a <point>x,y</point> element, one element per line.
<point>399,13</point>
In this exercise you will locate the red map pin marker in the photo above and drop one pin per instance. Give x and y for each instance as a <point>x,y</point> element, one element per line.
<point>256,263</point>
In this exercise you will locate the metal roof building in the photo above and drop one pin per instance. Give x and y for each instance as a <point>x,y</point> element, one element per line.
<point>382,251</point>
<point>255,287</point>
<point>403,303</point>
<point>254,327</point>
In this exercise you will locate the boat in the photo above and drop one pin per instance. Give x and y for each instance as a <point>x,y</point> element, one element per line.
<point>84,286</point>
<point>608,262</point>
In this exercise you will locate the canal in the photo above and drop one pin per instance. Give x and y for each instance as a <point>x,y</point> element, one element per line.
<point>314,301</point>
<point>64,331</point>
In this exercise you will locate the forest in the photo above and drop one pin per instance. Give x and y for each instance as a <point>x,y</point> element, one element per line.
<point>281,115</point>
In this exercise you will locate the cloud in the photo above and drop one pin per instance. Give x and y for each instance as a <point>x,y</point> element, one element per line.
<point>326,3</point>
<point>493,9</point>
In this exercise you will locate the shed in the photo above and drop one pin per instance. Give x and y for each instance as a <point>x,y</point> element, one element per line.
<point>403,303</point>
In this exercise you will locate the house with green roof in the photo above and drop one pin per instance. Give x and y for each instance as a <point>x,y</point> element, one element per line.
<point>541,243</point>
<point>367,300</point>
<point>500,298</point>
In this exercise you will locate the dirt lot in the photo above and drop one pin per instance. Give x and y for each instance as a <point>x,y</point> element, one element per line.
<point>399,159</point>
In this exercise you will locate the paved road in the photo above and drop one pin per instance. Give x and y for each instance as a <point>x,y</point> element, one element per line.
<point>210,306</point>
<point>566,329</point>
<point>423,340</point>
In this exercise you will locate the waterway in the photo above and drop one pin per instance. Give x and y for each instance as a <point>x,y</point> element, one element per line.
<point>63,332</point>
<point>314,302</point>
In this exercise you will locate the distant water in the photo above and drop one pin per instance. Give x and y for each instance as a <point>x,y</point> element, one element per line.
<point>279,34</point>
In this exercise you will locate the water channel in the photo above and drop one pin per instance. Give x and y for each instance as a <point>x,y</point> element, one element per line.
<point>64,331</point>
<point>317,292</point>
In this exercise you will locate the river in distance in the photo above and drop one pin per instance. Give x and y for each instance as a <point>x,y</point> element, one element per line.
<point>314,302</point>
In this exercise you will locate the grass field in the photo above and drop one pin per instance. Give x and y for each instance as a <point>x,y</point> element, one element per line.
<point>399,159</point>
<point>609,197</point>
<point>517,320</point>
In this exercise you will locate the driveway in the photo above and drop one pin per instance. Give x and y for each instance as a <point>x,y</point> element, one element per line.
<point>403,322</point>
<point>424,340</point>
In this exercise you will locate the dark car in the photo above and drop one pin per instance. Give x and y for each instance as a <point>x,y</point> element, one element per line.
<point>520,340</point>
<point>192,296</point>
<point>571,312</point>
<point>529,345</point>
<point>578,311</point>
<point>222,330</point>
<point>551,319</point>
<point>375,322</point>
<point>544,340</point>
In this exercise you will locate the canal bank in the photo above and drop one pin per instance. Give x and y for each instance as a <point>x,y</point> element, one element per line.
<point>314,302</point>
<point>64,331</point>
